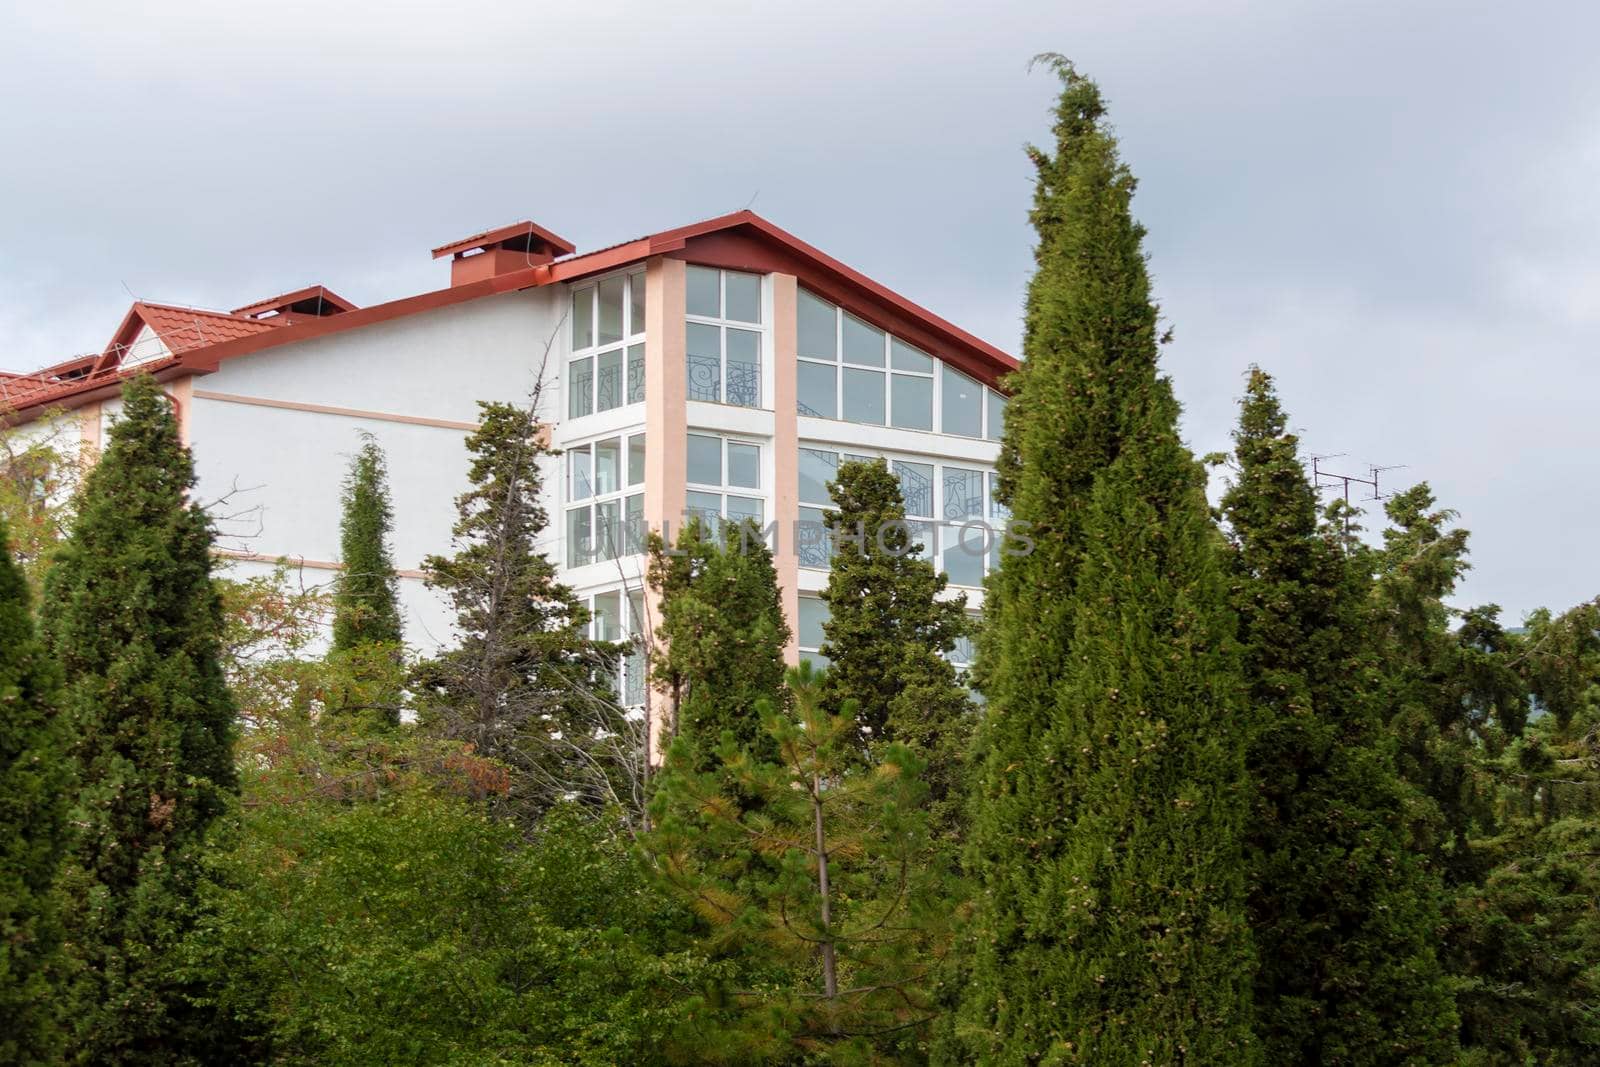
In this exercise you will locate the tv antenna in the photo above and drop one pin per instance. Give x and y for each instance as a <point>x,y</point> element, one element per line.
<point>1326,479</point>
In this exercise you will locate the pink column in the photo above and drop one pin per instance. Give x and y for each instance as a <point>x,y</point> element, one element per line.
<point>786,452</point>
<point>666,397</point>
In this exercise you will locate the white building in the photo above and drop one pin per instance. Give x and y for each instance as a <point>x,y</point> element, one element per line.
<point>723,367</point>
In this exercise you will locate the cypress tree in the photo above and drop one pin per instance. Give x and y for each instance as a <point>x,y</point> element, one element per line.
<point>366,604</point>
<point>1111,794</point>
<point>1343,913</point>
<point>720,638</point>
<point>34,778</point>
<point>132,616</point>
<point>888,635</point>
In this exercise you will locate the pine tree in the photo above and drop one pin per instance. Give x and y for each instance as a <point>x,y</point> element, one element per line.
<point>1343,914</point>
<point>720,638</point>
<point>1111,795</point>
<point>366,597</point>
<point>808,880</point>
<point>888,635</point>
<point>524,667</point>
<point>132,616</point>
<point>34,778</point>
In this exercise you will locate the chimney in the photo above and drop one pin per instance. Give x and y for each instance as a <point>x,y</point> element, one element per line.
<point>510,248</point>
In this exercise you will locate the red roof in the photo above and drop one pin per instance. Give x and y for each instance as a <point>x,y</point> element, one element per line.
<point>311,292</point>
<point>559,245</point>
<point>202,340</point>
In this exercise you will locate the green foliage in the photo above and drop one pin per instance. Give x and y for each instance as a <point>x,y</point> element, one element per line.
<point>368,909</point>
<point>1112,792</point>
<point>34,778</point>
<point>720,638</point>
<point>366,605</point>
<point>809,878</point>
<point>1343,914</point>
<point>525,672</point>
<point>131,615</point>
<point>37,477</point>
<point>888,634</point>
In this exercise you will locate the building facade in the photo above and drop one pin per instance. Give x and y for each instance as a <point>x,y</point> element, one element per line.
<point>720,369</point>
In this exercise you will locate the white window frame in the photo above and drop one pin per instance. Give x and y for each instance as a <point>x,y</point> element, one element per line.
<point>723,324</point>
<point>727,489</point>
<point>940,530</point>
<point>625,492</point>
<point>632,669</point>
<point>630,348</point>
<point>888,369</point>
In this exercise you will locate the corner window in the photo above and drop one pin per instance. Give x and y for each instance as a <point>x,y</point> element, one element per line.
<point>813,614</point>
<point>723,350</point>
<point>618,617</point>
<point>606,370</point>
<point>605,491</point>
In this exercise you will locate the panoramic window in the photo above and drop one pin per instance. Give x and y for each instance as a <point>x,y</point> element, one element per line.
<point>813,614</point>
<point>942,501</point>
<point>849,369</point>
<point>606,370</point>
<point>723,343</point>
<point>724,481</point>
<point>605,481</point>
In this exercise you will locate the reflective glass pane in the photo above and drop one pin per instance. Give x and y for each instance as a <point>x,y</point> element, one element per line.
<point>705,459</point>
<point>863,343</point>
<point>636,459</point>
<point>916,487</point>
<point>744,465</point>
<point>813,541</point>
<point>743,297</point>
<point>817,390</point>
<point>863,396</point>
<point>579,535</point>
<point>608,380</point>
<point>612,293</point>
<point>964,550</point>
<point>608,616</point>
<point>704,362</point>
<point>707,507</point>
<point>997,415</point>
<point>633,525</point>
<point>817,469</point>
<point>583,317</point>
<point>911,405</point>
<point>964,497</point>
<point>745,507</point>
<point>580,387</point>
<point>702,296</point>
<point>743,374</point>
<point>635,374</point>
<point>608,529</point>
<point>903,357</point>
<point>961,406</point>
<point>813,613</point>
<point>636,303</point>
<point>580,470</point>
<point>817,328</point>
<point>607,466</point>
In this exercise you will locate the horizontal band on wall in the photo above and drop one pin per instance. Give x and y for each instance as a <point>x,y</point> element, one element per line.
<point>327,409</point>
<point>298,561</point>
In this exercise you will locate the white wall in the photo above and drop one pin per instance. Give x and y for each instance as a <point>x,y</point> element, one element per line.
<point>272,476</point>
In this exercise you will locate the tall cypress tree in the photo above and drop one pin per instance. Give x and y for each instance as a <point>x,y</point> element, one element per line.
<point>34,777</point>
<point>888,635</point>
<point>1111,796</point>
<point>132,616</point>
<point>720,638</point>
<point>1343,913</point>
<point>366,603</point>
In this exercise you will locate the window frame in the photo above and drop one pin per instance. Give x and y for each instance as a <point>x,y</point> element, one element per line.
<point>628,498</point>
<point>725,488</point>
<point>630,348</point>
<point>722,323</point>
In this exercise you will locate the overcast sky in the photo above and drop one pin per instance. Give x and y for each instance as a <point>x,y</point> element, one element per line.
<point>1394,208</point>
